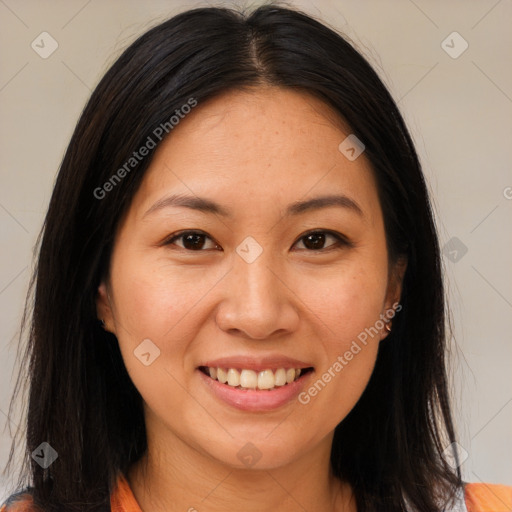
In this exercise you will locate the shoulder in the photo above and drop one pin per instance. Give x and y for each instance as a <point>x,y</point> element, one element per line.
<point>483,497</point>
<point>21,501</point>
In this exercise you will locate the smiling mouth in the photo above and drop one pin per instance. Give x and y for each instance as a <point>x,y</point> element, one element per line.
<point>249,379</point>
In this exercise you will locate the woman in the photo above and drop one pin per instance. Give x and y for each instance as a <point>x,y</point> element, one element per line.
<point>238,300</point>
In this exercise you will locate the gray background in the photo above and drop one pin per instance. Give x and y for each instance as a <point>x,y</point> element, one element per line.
<point>458,110</point>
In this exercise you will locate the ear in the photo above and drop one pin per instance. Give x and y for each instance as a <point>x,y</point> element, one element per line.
<point>104,308</point>
<point>394,292</point>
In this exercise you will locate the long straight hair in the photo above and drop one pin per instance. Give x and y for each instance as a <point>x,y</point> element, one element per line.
<point>81,399</point>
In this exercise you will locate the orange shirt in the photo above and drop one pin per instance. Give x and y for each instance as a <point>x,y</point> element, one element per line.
<point>122,499</point>
<point>478,497</point>
<point>487,498</point>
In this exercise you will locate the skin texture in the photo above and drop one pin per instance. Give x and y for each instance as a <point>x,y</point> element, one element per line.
<point>254,152</point>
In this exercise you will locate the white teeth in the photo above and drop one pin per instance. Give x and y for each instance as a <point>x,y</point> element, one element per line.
<point>280,377</point>
<point>249,379</point>
<point>233,377</point>
<point>266,379</point>
<point>222,375</point>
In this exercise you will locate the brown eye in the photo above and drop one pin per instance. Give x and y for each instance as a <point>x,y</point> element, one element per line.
<point>191,240</point>
<point>316,240</point>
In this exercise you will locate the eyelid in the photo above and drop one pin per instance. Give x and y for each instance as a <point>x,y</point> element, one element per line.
<point>171,238</point>
<point>342,240</point>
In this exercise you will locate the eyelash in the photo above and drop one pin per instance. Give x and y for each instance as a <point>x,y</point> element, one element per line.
<point>341,241</point>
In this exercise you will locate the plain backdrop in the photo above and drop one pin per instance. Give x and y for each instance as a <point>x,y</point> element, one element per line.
<point>457,102</point>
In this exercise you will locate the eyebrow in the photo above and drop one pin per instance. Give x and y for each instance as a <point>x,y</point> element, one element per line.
<point>208,206</point>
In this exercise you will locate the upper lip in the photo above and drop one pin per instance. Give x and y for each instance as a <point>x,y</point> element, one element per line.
<point>270,362</point>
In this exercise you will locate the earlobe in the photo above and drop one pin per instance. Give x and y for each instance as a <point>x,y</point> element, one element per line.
<point>104,308</point>
<point>394,293</point>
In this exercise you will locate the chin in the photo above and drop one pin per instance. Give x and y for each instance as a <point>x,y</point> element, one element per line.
<point>255,452</point>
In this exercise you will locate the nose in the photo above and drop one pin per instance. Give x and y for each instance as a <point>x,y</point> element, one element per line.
<point>257,303</point>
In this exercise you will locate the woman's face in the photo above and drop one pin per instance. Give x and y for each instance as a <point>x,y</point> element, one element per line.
<point>252,289</point>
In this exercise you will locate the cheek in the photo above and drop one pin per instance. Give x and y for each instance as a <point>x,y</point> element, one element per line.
<point>152,303</point>
<point>346,302</point>
<point>347,313</point>
<point>154,300</point>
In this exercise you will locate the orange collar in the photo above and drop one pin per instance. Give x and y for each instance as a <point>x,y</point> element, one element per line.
<point>479,497</point>
<point>122,498</point>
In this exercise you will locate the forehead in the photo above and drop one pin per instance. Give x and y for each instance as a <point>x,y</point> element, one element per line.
<point>267,146</point>
<point>263,116</point>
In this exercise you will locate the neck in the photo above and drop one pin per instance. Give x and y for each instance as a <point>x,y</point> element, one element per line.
<point>174,477</point>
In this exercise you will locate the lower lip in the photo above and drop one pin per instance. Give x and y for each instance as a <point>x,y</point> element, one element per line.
<point>253,399</point>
